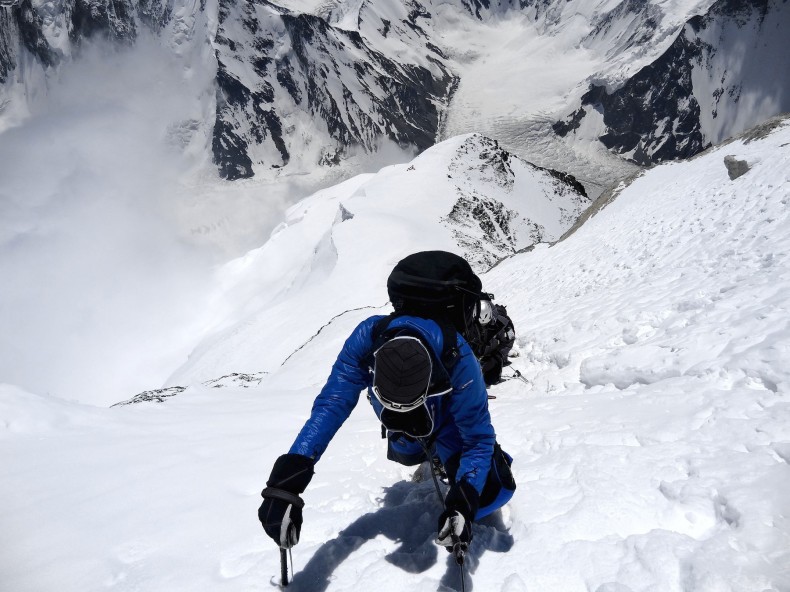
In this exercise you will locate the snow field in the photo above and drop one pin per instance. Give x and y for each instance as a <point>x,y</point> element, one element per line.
<point>651,437</point>
<point>656,420</point>
<point>333,253</point>
<point>145,497</point>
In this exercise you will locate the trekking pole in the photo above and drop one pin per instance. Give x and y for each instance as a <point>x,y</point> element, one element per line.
<point>458,554</point>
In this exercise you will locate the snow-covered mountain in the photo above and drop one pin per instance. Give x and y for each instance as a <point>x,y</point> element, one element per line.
<point>295,86</point>
<point>650,419</point>
<point>725,72</point>
<point>114,150</point>
<point>651,430</point>
<point>109,292</point>
<point>287,83</point>
<point>292,83</point>
<point>465,195</point>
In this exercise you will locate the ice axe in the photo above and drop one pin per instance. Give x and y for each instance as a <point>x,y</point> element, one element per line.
<point>458,551</point>
<point>291,538</point>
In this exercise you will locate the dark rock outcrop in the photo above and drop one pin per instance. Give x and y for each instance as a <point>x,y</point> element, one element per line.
<point>20,21</point>
<point>111,19</point>
<point>735,167</point>
<point>483,226</point>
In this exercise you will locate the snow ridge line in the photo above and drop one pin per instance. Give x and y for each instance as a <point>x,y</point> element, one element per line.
<point>324,326</point>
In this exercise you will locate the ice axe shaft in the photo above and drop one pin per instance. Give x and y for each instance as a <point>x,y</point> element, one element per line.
<point>517,374</point>
<point>458,554</point>
<point>283,567</point>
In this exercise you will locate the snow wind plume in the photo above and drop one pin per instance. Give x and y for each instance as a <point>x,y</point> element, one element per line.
<point>113,219</point>
<point>99,289</point>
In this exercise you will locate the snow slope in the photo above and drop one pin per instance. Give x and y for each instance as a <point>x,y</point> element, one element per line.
<point>328,261</point>
<point>656,422</point>
<point>651,437</point>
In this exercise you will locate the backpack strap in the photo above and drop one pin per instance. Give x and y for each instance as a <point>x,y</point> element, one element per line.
<point>450,352</point>
<point>381,326</point>
<point>378,337</point>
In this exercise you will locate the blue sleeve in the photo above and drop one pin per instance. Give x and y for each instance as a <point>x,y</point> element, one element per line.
<point>469,408</point>
<point>340,394</point>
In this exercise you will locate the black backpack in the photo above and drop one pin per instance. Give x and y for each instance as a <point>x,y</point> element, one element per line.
<point>443,287</point>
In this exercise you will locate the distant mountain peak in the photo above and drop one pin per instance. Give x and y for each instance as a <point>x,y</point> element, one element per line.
<point>689,98</point>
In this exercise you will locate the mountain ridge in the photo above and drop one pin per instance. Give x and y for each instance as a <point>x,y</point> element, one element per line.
<point>466,195</point>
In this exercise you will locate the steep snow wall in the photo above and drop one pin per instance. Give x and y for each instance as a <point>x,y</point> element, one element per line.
<point>653,340</point>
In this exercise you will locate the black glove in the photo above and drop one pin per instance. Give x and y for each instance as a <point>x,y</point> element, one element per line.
<point>455,523</point>
<point>281,510</point>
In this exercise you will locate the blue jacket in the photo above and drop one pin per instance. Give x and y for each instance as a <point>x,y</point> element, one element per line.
<point>461,419</point>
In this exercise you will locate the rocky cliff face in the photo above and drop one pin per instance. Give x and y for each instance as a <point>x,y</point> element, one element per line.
<point>489,227</point>
<point>21,29</point>
<point>293,83</point>
<point>51,31</point>
<point>654,116</point>
<point>286,83</point>
<point>726,71</point>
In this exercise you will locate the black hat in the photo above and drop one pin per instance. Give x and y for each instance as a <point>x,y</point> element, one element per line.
<point>402,371</point>
<point>432,277</point>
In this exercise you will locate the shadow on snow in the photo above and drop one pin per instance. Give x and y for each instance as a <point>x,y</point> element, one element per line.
<point>408,515</point>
